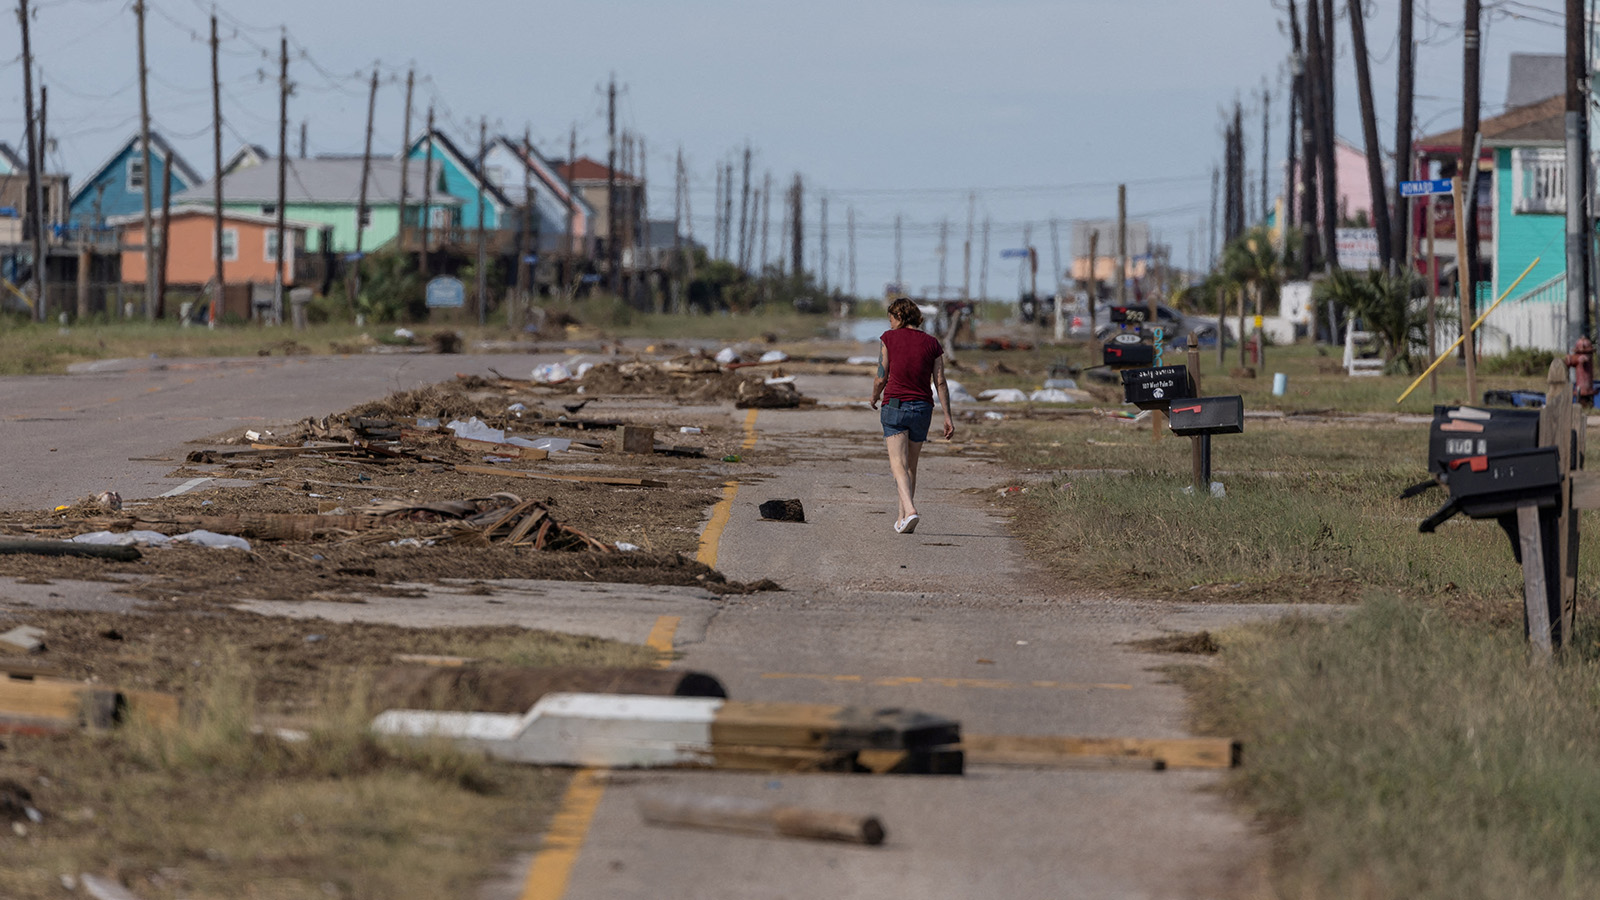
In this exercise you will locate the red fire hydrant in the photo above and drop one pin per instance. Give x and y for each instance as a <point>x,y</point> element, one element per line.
<point>1581,360</point>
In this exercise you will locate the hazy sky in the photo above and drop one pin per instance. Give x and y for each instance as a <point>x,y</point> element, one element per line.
<point>889,106</point>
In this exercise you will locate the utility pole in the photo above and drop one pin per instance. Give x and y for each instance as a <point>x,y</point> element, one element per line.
<point>1330,172</point>
<point>1297,65</point>
<point>983,264</point>
<point>727,212</point>
<point>405,157</point>
<point>218,292</point>
<point>1055,256</point>
<point>427,194</point>
<point>1402,129</point>
<point>613,223</point>
<point>1467,267</point>
<point>766,222</point>
<point>283,171</point>
<point>1310,123</point>
<point>822,238</point>
<point>572,208</point>
<point>679,285</point>
<point>797,229</point>
<point>642,185</point>
<point>944,248</point>
<point>1211,246</point>
<point>35,155</point>
<point>1122,245</point>
<point>361,203</point>
<point>966,249</point>
<point>1369,136</point>
<point>898,276</point>
<point>166,229</point>
<point>1091,285</point>
<point>483,256</point>
<point>850,219</point>
<point>302,138</point>
<point>524,242</point>
<point>744,215</point>
<point>1578,242</point>
<point>1266,137</point>
<point>716,218</point>
<point>144,142</point>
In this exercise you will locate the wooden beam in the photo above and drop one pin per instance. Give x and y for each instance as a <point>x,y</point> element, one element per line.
<point>514,451</point>
<point>59,700</point>
<point>1176,753</point>
<point>585,479</point>
<point>1536,600</point>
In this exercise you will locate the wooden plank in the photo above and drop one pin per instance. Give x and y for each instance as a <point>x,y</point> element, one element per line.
<point>1585,490</point>
<point>26,669</point>
<point>585,479</point>
<point>825,726</point>
<point>58,700</point>
<point>155,707</point>
<point>513,451</point>
<point>68,548</point>
<point>1535,600</point>
<point>636,439</point>
<point>1556,421</point>
<point>1176,753</point>
<point>23,639</point>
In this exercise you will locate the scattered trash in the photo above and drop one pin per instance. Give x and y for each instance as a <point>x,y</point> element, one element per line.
<point>122,539</point>
<point>782,379</point>
<point>731,457</point>
<point>994,416</point>
<point>405,334</point>
<point>252,435</point>
<point>757,817</point>
<point>1217,490</point>
<point>517,407</point>
<point>1280,384</point>
<point>1051,395</point>
<point>688,429</point>
<point>783,511</point>
<point>108,500</point>
<point>1065,384</point>
<point>626,547</point>
<point>726,355</point>
<point>316,638</point>
<point>1003,395</point>
<point>774,356</point>
<point>958,393</point>
<point>1012,490</point>
<point>551,373</point>
<point>1022,643</point>
<point>582,370</point>
<point>213,540</point>
<point>23,639</point>
<point>861,361</point>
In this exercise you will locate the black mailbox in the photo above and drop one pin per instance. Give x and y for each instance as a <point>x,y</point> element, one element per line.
<point>1459,432</point>
<point>1155,388</point>
<point>1128,350</point>
<point>1493,485</point>
<point>1208,415</point>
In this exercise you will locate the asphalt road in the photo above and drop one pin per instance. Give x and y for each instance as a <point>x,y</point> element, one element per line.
<point>952,620</point>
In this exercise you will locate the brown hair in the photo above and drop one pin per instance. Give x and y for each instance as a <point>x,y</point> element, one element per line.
<point>906,311</point>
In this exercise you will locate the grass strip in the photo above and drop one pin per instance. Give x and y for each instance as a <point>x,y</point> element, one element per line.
<point>1402,753</point>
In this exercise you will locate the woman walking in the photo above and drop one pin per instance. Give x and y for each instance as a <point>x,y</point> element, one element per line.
<point>908,360</point>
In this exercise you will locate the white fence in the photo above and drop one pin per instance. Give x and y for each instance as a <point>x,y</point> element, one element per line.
<point>1535,318</point>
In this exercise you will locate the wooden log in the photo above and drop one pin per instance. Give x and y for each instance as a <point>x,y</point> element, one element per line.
<point>272,526</point>
<point>746,816</point>
<point>1556,428</point>
<point>512,451</point>
<point>1176,753</point>
<point>585,479</point>
<point>636,439</point>
<point>1535,598</point>
<point>68,548</point>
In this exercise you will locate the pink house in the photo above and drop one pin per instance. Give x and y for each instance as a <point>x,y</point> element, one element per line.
<point>1354,192</point>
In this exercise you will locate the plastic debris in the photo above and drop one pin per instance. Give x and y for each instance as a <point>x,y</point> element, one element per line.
<point>1003,395</point>
<point>996,416</point>
<point>785,379</point>
<point>122,538</point>
<point>726,355</point>
<point>1050,395</point>
<point>582,370</point>
<point>405,334</point>
<point>1065,384</point>
<point>212,539</point>
<point>688,429</point>
<point>517,407</point>
<point>774,356</point>
<point>731,457</point>
<point>861,361</point>
<point>626,547</point>
<point>551,373</point>
<point>958,393</point>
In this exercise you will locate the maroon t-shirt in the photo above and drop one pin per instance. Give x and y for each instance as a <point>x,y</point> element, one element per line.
<point>911,356</point>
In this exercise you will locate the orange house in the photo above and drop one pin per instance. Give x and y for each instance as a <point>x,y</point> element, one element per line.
<point>249,246</point>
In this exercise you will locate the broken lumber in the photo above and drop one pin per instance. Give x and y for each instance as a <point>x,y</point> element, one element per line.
<point>1041,750</point>
<point>41,704</point>
<point>514,451</point>
<point>636,439</point>
<point>271,526</point>
<point>586,479</point>
<point>67,548</point>
<point>632,731</point>
<point>747,816</point>
<point>513,689</point>
<point>23,638</point>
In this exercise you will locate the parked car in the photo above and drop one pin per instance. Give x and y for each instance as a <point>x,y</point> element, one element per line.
<point>1177,325</point>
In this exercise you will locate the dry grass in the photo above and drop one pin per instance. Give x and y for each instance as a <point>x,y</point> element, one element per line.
<point>217,809</point>
<point>1399,753</point>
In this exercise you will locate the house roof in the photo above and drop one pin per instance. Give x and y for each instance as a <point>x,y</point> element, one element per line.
<point>1540,121</point>
<point>585,169</point>
<point>545,170</point>
<point>466,164</point>
<point>10,157</point>
<point>158,146</point>
<point>254,154</point>
<point>1535,76</point>
<point>330,181</point>
<point>228,215</point>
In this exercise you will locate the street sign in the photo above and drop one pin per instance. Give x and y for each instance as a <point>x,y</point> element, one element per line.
<point>1357,247</point>
<point>1014,254</point>
<point>445,292</point>
<point>1424,188</point>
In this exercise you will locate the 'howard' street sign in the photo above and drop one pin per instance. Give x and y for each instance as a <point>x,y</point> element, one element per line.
<point>1424,188</point>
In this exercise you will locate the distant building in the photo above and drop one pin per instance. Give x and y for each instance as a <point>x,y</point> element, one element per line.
<point>116,188</point>
<point>509,165</point>
<point>1105,261</point>
<point>249,246</point>
<point>590,180</point>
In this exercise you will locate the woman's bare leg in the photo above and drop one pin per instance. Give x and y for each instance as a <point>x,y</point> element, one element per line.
<point>904,476</point>
<point>913,453</point>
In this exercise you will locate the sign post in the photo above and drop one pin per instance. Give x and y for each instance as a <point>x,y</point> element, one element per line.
<point>445,292</point>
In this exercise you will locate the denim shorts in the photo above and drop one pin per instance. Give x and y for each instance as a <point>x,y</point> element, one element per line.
<point>913,416</point>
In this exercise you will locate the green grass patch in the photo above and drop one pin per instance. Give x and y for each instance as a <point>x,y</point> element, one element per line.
<point>1401,753</point>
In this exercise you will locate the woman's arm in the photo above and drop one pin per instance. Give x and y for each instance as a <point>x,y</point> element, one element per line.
<point>943,388</point>
<point>882,381</point>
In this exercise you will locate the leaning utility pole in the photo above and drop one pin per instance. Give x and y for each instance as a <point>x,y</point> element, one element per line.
<point>983,264</point>
<point>966,251</point>
<point>1578,241</point>
<point>36,169</point>
<point>218,293</point>
<point>483,256</point>
<point>898,283</point>
<point>822,249</point>
<point>744,215</point>
<point>1369,136</point>
<point>283,171</point>
<point>427,194</point>
<point>797,228</point>
<point>1122,245</point>
<point>405,157</point>
<point>613,220</point>
<point>144,143</point>
<point>850,220</point>
<point>361,202</point>
<point>1403,228</point>
<point>1266,137</point>
<point>1330,172</point>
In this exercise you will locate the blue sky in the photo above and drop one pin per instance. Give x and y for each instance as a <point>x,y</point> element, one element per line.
<point>892,107</point>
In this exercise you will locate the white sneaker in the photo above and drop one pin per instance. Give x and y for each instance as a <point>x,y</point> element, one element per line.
<point>910,524</point>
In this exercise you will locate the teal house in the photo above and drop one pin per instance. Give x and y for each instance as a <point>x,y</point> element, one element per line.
<point>460,176</point>
<point>116,188</point>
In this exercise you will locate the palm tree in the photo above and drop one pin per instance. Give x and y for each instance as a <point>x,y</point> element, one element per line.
<point>1253,262</point>
<point>1382,303</point>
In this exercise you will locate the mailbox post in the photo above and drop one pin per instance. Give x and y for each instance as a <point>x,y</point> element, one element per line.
<point>1200,444</point>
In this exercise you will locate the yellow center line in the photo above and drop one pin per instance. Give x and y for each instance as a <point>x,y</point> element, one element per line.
<point>660,639</point>
<point>749,430</point>
<point>551,868</point>
<point>980,683</point>
<point>719,520</point>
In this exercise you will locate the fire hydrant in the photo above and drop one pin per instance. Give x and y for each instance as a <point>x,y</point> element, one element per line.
<point>1581,360</point>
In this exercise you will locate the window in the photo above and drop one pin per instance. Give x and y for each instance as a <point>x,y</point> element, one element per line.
<point>1538,180</point>
<point>271,254</point>
<point>270,209</point>
<point>230,245</point>
<point>136,173</point>
<point>366,218</point>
